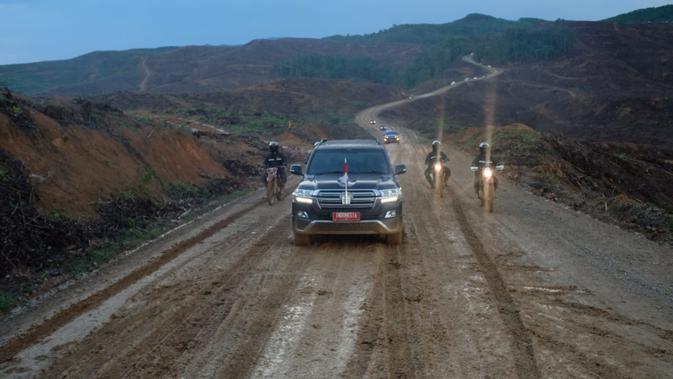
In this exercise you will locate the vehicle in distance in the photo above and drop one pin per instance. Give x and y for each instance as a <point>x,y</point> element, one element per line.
<point>372,122</point>
<point>348,187</point>
<point>391,137</point>
<point>383,128</point>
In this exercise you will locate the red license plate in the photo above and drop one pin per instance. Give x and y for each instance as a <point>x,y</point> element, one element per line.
<point>345,216</point>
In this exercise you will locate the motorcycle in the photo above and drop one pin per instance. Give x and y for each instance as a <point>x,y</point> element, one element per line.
<point>440,172</point>
<point>273,186</point>
<point>487,183</point>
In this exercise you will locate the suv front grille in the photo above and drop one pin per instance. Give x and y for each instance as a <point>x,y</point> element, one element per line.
<point>360,199</point>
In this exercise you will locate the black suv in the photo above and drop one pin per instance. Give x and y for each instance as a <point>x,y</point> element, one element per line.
<point>349,187</point>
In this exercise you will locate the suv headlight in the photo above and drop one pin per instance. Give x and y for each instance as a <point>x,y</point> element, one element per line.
<point>390,195</point>
<point>303,196</point>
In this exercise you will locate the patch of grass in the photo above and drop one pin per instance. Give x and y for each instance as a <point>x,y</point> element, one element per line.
<point>149,175</point>
<point>57,216</point>
<point>76,268</point>
<point>239,123</point>
<point>7,301</point>
<point>525,137</point>
<point>179,190</point>
<point>128,239</point>
<point>669,223</point>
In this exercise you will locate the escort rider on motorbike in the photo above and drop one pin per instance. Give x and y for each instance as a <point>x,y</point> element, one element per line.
<point>433,157</point>
<point>484,158</point>
<point>275,159</point>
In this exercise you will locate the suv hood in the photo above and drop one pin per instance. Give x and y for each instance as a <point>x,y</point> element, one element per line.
<point>355,182</point>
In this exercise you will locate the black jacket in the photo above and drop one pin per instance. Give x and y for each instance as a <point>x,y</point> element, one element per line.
<point>480,160</point>
<point>432,158</point>
<point>274,160</point>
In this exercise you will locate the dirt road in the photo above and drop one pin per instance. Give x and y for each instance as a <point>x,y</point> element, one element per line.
<point>142,87</point>
<point>532,290</point>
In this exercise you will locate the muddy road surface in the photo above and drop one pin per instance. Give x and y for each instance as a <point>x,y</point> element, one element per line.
<point>532,290</point>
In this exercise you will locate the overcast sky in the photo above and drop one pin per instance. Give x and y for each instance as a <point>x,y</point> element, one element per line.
<point>35,30</point>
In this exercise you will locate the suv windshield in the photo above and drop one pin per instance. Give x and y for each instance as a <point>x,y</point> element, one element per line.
<point>360,161</point>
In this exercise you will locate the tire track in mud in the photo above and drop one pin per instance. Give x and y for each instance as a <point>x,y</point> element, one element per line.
<point>522,345</point>
<point>406,293</point>
<point>148,354</point>
<point>257,331</point>
<point>38,332</point>
<point>395,325</point>
<point>440,258</point>
<point>370,332</point>
<point>520,337</point>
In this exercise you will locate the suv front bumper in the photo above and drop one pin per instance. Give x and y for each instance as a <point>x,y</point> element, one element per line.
<point>373,222</point>
<point>378,227</point>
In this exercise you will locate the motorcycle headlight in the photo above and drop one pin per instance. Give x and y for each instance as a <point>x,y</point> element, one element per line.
<point>438,166</point>
<point>303,196</point>
<point>488,173</point>
<point>390,195</point>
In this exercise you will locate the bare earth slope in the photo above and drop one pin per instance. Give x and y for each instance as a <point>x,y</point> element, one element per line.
<point>532,290</point>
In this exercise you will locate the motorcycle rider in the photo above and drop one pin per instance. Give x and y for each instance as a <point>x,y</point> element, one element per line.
<point>275,159</point>
<point>436,156</point>
<point>480,161</point>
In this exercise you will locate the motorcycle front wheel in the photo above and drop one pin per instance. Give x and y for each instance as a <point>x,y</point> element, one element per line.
<point>489,196</point>
<point>270,190</point>
<point>279,192</point>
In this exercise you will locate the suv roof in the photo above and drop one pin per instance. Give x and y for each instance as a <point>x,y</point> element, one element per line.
<point>349,143</point>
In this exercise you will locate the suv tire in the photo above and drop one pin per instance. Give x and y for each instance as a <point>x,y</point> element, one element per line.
<point>301,239</point>
<point>394,239</point>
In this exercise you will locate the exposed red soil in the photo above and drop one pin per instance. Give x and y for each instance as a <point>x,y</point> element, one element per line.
<point>74,166</point>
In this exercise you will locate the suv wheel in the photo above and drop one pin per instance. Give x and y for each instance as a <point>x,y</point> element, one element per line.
<point>301,239</point>
<point>394,239</point>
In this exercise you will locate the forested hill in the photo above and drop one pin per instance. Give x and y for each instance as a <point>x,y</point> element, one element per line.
<point>663,14</point>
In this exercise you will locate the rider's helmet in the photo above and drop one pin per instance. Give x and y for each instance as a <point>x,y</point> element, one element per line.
<point>435,145</point>
<point>483,146</point>
<point>273,146</point>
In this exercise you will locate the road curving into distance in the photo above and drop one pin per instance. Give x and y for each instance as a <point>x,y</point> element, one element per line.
<point>532,290</point>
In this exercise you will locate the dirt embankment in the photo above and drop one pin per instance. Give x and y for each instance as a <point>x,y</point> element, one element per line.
<point>81,182</point>
<point>73,164</point>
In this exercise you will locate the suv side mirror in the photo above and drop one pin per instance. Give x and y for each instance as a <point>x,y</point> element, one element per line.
<point>296,169</point>
<point>400,169</point>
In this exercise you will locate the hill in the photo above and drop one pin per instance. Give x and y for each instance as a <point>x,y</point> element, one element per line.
<point>191,69</point>
<point>644,16</point>
<point>589,80</point>
<point>613,85</point>
<point>404,55</point>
